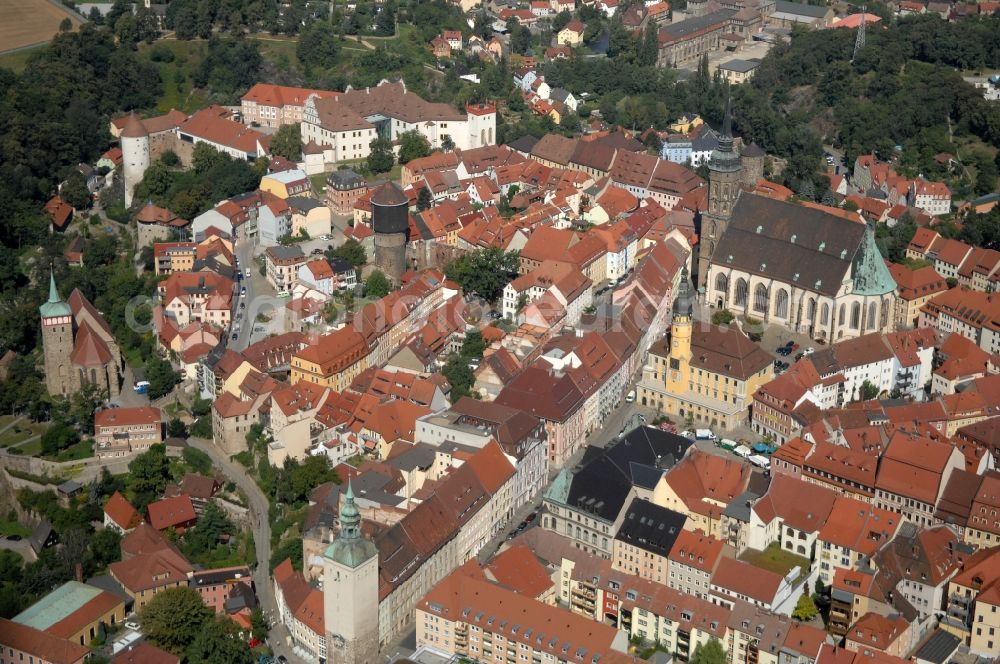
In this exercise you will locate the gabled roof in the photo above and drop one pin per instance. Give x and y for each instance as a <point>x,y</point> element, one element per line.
<point>171,512</point>
<point>121,512</point>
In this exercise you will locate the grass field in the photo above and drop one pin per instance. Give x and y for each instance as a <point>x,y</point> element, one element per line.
<point>18,60</point>
<point>21,432</point>
<point>27,22</point>
<point>176,75</point>
<point>775,559</point>
<point>8,528</point>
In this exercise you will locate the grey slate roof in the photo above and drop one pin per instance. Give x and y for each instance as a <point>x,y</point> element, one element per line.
<point>740,65</point>
<point>650,527</point>
<point>803,246</point>
<point>801,9</point>
<point>937,649</point>
<point>682,29</point>
<point>602,482</point>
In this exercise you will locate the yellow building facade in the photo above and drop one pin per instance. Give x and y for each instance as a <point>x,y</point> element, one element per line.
<point>704,374</point>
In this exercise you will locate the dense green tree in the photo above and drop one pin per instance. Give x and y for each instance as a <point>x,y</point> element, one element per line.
<point>473,346</point>
<point>560,20</point>
<point>380,159</point>
<point>219,642</point>
<point>805,610</point>
<point>460,375</point>
<point>287,142</point>
<point>869,390</point>
<point>176,428</point>
<point>484,272</point>
<point>148,476</point>
<point>424,199</point>
<point>74,190</point>
<point>57,438</point>
<point>289,548</point>
<point>206,534</point>
<point>413,145</point>
<point>377,284</point>
<point>711,652</point>
<point>197,460</point>
<point>161,376</point>
<point>174,618</point>
<point>318,45</point>
<point>352,252</point>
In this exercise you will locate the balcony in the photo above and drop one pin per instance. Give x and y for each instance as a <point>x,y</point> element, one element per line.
<point>961,600</point>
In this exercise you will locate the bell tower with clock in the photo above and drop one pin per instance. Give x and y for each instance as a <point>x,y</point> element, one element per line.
<point>350,591</point>
<point>679,363</point>
<point>725,171</point>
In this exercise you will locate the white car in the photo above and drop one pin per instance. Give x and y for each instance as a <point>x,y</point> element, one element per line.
<point>131,624</point>
<point>808,351</point>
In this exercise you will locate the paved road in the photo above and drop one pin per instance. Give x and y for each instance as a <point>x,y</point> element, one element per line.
<point>22,546</point>
<point>260,526</point>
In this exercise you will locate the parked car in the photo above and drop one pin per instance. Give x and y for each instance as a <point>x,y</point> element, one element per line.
<point>630,397</point>
<point>235,336</point>
<point>131,624</point>
<point>808,351</point>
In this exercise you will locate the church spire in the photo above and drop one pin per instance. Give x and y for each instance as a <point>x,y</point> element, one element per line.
<point>683,306</point>
<point>350,517</point>
<point>350,548</point>
<point>54,306</point>
<point>725,157</point>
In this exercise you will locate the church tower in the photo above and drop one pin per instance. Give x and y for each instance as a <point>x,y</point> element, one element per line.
<point>680,338</point>
<point>350,591</point>
<point>725,172</point>
<point>57,341</point>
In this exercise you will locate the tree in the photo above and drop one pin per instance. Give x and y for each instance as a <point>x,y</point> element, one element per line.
<point>197,460</point>
<point>290,548</point>
<point>458,373</point>
<point>484,272</point>
<point>205,535</point>
<point>868,390</point>
<point>380,159</point>
<point>219,642</point>
<point>66,25</point>
<point>57,438</point>
<point>722,317</point>
<point>377,284</point>
<point>709,653</point>
<point>202,427</point>
<point>176,428</point>
<point>819,588</point>
<point>352,252</point>
<point>424,199</point>
<point>318,46</point>
<point>161,376</point>
<point>74,191</point>
<point>447,144</point>
<point>174,618</point>
<point>287,142</point>
<point>474,345</point>
<point>805,609</point>
<point>413,145</point>
<point>561,19</point>
<point>148,475</point>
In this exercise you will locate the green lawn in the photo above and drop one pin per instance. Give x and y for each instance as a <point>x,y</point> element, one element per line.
<point>8,528</point>
<point>33,448</point>
<point>82,450</point>
<point>7,419</point>
<point>280,52</point>
<point>22,432</point>
<point>318,184</point>
<point>18,61</point>
<point>775,559</point>
<point>176,76</point>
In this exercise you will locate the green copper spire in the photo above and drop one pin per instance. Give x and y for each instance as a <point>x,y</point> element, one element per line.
<point>726,157</point>
<point>350,548</point>
<point>55,306</point>
<point>871,276</point>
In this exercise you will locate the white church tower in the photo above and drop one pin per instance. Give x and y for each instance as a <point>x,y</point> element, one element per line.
<point>350,591</point>
<point>135,154</point>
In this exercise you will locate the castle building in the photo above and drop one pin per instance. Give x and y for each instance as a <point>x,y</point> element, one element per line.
<point>77,345</point>
<point>142,143</point>
<point>708,374</point>
<point>350,591</point>
<point>812,269</point>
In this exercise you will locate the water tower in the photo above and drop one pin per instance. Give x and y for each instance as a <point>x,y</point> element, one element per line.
<point>390,221</point>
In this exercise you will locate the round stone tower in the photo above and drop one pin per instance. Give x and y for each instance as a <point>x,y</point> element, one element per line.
<point>390,222</point>
<point>135,154</point>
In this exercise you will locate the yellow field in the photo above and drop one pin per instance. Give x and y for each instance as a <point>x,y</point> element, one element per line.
<point>27,22</point>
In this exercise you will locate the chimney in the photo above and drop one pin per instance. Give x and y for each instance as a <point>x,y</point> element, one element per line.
<point>78,572</point>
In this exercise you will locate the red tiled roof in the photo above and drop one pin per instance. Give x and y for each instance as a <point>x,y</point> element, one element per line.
<point>40,644</point>
<point>744,579</point>
<point>518,569</point>
<point>170,512</point>
<point>121,512</point>
<point>145,653</point>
